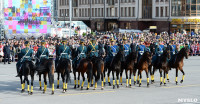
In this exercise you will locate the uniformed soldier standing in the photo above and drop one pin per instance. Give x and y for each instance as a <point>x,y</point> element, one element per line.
<point>93,49</point>
<point>25,54</point>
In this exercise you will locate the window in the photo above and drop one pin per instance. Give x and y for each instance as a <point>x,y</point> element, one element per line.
<point>161,11</point>
<point>129,13</point>
<point>157,11</point>
<point>166,12</point>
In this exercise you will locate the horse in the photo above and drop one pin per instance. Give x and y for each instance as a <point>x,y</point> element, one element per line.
<point>116,66</point>
<point>27,68</point>
<point>143,64</point>
<point>63,68</point>
<point>85,66</point>
<point>98,70</point>
<point>130,66</point>
<point>153,48</point>
<point>46,67</point>
<point>178,63</point>
<point>162,65</point>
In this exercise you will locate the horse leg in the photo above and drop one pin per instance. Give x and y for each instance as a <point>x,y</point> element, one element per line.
<point>104,77</point>
<point>82,74</point>
<point>176,76</point>
<point>22,84</point>
<point>134,74</point>
<point>109,77</point>
<point>151,73</point>
<point>26,78</point>
<point>45,82</point>
<point>131,71</point>
<point>160,70</point>
<point>95,86</point>
<point>32,79</point>
<point>121,76</point>
<point>167,75</point>
<point>93,76</point>
<point>40,82</point>
<point>152,81</point>
<point>58,80</point>
<point>164,72</point>
<point>102,80</point>
<point>117,75</point>
<point>113,79</point>
<point>147,77</point>
<point>74,80</point>
<point>78,79</point>
<point>182,76</point>
<point>126,72</point>
<point>63,80</point>
<point>138,76</point>
<point>140,73</point>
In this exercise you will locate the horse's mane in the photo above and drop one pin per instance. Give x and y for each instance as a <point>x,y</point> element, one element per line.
<point>131,56</point>
<point>145,56</point>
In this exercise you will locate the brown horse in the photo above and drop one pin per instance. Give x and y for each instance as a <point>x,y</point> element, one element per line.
<point>63,68</point>
<point>162,65</point>
<point>85,66</point>
<point>130,66</point>
<point>143,64</point>
<point>98,70</point>
<point>46,67</point>
<point>178,63</point>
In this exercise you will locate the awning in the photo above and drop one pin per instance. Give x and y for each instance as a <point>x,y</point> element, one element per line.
<point>152,27</point>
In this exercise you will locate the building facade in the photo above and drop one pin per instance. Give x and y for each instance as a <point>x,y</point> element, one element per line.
<point>107,15</point>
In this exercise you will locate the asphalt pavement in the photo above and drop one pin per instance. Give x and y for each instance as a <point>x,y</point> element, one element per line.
<point>188,92</point>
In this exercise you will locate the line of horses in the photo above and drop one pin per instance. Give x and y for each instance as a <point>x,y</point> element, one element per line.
<point>96,69</point>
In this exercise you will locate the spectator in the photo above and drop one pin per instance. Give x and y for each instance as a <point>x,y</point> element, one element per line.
<point>6,51</point>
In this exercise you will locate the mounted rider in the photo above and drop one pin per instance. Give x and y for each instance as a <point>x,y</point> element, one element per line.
<point>126,46</point>
<point>112,50</point>
<point>25,54</point>
<point>158,52</point>
<point>141,48</point>
<point>63,51</point>
<point>173,50</point>
<point>93,49</point>
<point>80,53</point>
<point>42,53</point>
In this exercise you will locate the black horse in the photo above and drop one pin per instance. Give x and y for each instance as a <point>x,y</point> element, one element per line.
<point>116,66</point>
<point>28,68</point>
<point>46,67</point>
<point>178,63</point>
<point>162,65</point>
<point>63,68</point>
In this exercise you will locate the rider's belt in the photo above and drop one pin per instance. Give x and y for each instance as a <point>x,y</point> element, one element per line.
<point>82,53</point>
<point>173,52</point>
<point>141,52</point>
<point>27,57</point>
<point>126,50</point>
<point>64,53</point>
<point>43,56</point>
<point>113,53</point>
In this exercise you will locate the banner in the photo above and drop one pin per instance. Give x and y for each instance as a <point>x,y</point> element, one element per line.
<point>27,16</point>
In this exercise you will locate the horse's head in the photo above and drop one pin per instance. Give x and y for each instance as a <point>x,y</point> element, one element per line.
<point>167,52</point>
<point>184,52</point>
<point>148,56</point>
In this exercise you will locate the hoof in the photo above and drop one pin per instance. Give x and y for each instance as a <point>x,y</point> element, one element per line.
<point>28,92</point>
<point>113,86</point>
<point>78,86</point>
<point>43,92</point>
<point>101,88</point>
<point>104,83</point>
<point>74,86</point>
<point>81,88</point>
<point>52,92</point>
<point>109,83</point>
<point>57,86</point>
<point>164,83</point>
<point>87,89</point>
<point>168,80</point>
<point>22,91</point>
<point>130,85</point>
<point>134,82</point>
<point>147,84</point>
<point>40,88</point>
<point>181,81</point>
<point>176,83</point>
<point>126,85</point>
<point>140,85</point>
<point>121,84</point>
<point>117,86</point>
<point>137,82</point>
<point>63,91</point>
<point>160,83</point>
<point>91,85</point>
<point>94,89</point>
<point>31,93</point>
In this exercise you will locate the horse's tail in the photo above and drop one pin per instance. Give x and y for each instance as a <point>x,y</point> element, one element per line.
<point>99,64</point>
<point>67,70</point>
<point>51,73</point>
<point>89,70</point>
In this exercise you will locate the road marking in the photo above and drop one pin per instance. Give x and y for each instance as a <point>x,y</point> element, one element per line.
<point>183,86</point>
<point>87,93</point>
